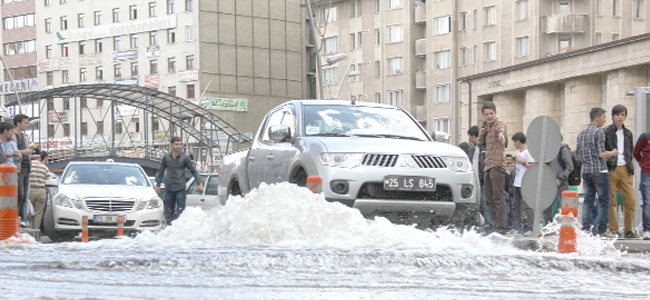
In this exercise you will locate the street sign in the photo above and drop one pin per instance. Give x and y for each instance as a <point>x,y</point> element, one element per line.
<point>543,140</point>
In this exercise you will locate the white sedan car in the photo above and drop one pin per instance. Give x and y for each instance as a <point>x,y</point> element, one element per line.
<point>102,191</point>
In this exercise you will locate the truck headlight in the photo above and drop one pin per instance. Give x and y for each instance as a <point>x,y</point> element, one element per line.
<point>341,160</point>
<point>155,202</point>
<point>458,164</point>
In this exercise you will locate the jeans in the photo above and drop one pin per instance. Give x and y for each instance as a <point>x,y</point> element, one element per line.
<point>174,204</point>
<point>23,192</point>
<point>519,206</point>
<point>485,211</point>
<point>509,210</point>
<point>494,179</point>
<point>597,183</point>
<point>645,201</point>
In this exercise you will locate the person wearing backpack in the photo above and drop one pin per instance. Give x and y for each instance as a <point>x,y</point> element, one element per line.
<point>621,171</point>
<point>563,166</point>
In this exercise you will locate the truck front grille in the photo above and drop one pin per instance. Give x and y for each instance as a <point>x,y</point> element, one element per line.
<point>375,190</point>
<point>429,162</point>
<point>110,204</point>
<point>380,160</point>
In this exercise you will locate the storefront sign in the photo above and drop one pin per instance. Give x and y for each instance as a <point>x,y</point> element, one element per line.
<point>226,104</point>
<point>48,65</point>
<point>153,51</point>
<point>188,75</point>
<point>57,116</point>
<point>65,62</point>
<point>115,29</point>
<point>125,110</point>
<point>90,59</point>
<point>125,55</point>
<point>127,81</point>
<point>151,81</point>
<point>20,85</point>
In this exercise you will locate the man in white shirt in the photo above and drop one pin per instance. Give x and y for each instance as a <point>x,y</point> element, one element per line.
<point>524,160</point>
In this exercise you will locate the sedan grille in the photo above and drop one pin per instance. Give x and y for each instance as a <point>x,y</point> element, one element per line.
<point>429,162</point>
<point>380,160</point>
<point>110,204</point>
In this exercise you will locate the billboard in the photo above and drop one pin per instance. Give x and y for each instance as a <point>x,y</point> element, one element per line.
<point>48,65</point>
<point>188,75</point>
<point>125,55</point>
<point>226,104</point>
<point>115,29</point>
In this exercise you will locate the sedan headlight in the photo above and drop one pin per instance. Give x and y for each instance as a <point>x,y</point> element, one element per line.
<point>458,164</point>
<point>155,202</point>
<point>65,201</point>
<point>341,160</point>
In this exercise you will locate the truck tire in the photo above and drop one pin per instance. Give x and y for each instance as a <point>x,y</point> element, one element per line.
<point>299,178</point>
<point>234,189</point>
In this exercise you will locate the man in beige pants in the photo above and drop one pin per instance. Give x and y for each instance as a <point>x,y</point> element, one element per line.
<point>37,189</point>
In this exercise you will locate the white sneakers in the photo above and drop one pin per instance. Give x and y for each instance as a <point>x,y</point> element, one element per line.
<point>646,235</point>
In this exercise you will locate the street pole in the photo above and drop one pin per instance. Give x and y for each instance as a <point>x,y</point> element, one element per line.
<point>319,64</point>
<point>20,107</point>
<point>345,76</point>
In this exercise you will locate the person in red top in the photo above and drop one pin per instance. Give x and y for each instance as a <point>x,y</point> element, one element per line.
<point>641,153</point>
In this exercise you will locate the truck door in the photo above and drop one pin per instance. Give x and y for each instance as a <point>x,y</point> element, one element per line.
<point>281,153</point>
<point>259,154</point>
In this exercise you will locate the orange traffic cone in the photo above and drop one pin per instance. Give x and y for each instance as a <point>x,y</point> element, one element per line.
<point>567,242</point>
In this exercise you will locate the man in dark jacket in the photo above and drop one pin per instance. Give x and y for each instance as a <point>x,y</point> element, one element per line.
<point>563,158</point>
<point>477,157</point>
<point>621,170</point>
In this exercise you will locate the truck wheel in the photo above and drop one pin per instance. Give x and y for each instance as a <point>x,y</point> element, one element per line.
<point>300,178</point>
<point>233,188</point>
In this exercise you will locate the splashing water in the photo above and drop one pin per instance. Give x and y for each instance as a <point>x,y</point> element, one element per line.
<point>586,243</point>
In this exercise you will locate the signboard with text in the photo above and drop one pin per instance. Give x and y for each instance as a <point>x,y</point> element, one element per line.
<point>226,104</point>
<point>65,62</point>
<point>151,81</point>
<point>188,75</point>
<point>57,116</point>
<point>90,59</point>
<point>19,85</point>
<point>125,55</point>
<point>153,51</point>
<point>115,29</point>
<point>126,110</point>
<point>48,65</point>
<point>127,81</point>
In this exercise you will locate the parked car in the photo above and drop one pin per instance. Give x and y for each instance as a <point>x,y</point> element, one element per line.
<point>102,191</point>
<point>373,157</point>
<point>209,198</point>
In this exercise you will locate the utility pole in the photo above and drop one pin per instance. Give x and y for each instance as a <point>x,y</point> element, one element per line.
<point>319,64</point>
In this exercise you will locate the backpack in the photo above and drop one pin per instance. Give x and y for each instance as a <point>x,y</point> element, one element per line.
<point>575,177</point>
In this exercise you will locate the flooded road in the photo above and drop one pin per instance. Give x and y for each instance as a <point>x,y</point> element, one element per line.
<point>282,242</point>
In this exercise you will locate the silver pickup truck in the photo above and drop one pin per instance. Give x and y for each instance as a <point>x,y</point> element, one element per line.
<point>373,157</point>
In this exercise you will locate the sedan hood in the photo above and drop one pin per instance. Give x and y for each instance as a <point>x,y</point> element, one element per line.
<point>80,191</point>
<point>389,146</point>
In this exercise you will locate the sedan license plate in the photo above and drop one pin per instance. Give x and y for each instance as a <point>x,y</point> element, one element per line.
<point>409,183</point>
<point>105,219</point>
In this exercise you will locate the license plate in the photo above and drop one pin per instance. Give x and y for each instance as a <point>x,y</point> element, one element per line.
<point>409,183</point>
<point>105,219</point>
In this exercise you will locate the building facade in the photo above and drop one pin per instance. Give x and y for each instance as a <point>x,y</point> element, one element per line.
<point>443,41</point>
<point>18,48</point>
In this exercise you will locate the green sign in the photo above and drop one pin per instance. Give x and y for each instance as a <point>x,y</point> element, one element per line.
<point>226,104</point>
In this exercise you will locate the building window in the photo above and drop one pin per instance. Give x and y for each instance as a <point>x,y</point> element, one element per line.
<point>48,25</point>
<point>171,64</point>
<point>395,66</point>
<point>523,47</point>
<point>378,97</point>
<point>171,36</point>
<point>395,33</point>
<point>565,43</point>
<point>50,78</point>
<point>599,38</point>
<point>490,15</point>
<point>116,43</point>
<point>377,37</point>
<point>99,73</point>
<point>463,56</point>
<point>98,18</point>
<point>189,60</point>
<point>65,76</point>
<point>119,127</point>
<point>153,66</point>
<point>155,124</point>
<point>331,45</point>
<point>100,124</point>
<point>189,5</point>
<point>48,51</point>
<point>189,33</point>
<point>80,20</point>
<point>83,75</point>
<point>152,9</point>
<point>170,7</point>
<point>50,130</point>
<point>134,40</point>
<point>99,46</point>
<point>19,21</point>
<point>355,8</point>
<point>443,125</point>
<point>134,68</point>
<point>491,51</point>
<point>116,15</point>
<point>614,36</point>
<point>66,129</point>
<point>396,97</point>
<point>443,93</point>
<point>99,103</point>
<point>597,4</point>
<point>638,9</point>
<point>64,50</point>
<point>117,71</point>
<point>82,47</point>
<point>171,90</point>
<point>190,91</point>
<point>615,8</point>
<point>13,48</point>
<point>64,23</point>
<point>153,38</point>
<point>133,12</point>
<point>463,20</point>
<point>443,59</point>
<point>330,14</point>
<point>377,68</point>
<point>84,128</point>
<point>443,25</point>
<point>522,10</point>
<point>353,38</point>
<point>565,7</point>
<point>330,76</point>
<point>393,4</point>
<point>48,2</point>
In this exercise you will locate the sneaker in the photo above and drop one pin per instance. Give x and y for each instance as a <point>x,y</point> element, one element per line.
<point>528,233</point>
<point>607,235</point>
<point>618,234</point>
<point>631,235</point>
<point>646,235</point>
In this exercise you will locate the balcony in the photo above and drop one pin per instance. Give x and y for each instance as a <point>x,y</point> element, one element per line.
<point>421,14</point>
<point>420,80</point>
<point>568,23</point>
<point>421,47</point>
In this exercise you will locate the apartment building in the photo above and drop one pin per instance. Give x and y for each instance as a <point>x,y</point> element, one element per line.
<point>435,43</point>
<point>18,48</point>
<point>248,51</point>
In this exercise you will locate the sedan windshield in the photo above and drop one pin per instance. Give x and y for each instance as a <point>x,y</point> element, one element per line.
<point>105,174</point>
<point>323,120</point>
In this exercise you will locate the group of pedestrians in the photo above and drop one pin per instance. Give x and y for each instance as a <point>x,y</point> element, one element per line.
<point>606,156</point>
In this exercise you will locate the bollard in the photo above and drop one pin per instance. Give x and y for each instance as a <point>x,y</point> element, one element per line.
<point>120,226</point>
<point>567,241</point>
<point>84,229</point>
<point>569,198</point>
<point>9,220</point>
<point>315,184</point>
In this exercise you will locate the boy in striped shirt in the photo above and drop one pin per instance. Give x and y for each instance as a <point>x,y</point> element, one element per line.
<point>37,189</point>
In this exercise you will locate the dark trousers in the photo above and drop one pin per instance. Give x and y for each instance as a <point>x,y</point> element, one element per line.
<point>519,205</point>
<point>494,179</point>
<point>174,203</point>
<point>597,183</point>
<point>23,185</point>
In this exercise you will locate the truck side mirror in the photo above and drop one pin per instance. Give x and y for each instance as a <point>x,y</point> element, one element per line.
<point>278,132</point>
<point>440,136</point>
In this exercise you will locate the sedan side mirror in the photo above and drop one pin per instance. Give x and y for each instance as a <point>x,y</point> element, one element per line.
<point>278,132</point>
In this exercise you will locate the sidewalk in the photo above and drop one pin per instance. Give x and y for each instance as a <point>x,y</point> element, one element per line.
<point>530,243</point>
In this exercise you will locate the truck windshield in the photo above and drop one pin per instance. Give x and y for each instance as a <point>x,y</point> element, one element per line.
<point>329,120</point>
